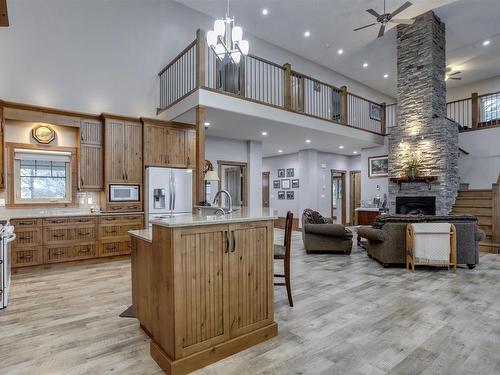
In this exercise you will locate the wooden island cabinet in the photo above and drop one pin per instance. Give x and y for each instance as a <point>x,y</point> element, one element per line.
<point>203,290</point>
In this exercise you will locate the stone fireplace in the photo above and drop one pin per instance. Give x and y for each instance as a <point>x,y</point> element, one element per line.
<point>423,132</point>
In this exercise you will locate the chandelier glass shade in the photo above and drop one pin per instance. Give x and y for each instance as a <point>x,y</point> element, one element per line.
<point>226,40</point>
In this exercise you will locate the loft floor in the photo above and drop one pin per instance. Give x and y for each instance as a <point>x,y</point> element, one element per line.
<point>352,316</point>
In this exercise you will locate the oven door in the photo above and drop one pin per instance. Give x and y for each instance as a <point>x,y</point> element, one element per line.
<point>124,193</point>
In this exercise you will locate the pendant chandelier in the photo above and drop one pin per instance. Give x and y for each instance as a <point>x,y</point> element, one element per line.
<point>226,39</point>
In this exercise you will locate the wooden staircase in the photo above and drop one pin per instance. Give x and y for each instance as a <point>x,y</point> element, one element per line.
<point>486,206</point>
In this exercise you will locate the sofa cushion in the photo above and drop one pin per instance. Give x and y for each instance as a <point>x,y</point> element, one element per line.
<point>372,234</point>
<point>314,217</point>
<point>332,230</point>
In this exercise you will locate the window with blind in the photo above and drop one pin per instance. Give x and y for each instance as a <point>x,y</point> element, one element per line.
<point>42,176</point>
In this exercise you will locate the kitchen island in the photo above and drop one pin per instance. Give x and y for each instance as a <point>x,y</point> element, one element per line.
<point>202,286</point>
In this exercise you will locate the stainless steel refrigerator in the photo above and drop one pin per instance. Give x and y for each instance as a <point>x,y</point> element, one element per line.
<point>168,191</point>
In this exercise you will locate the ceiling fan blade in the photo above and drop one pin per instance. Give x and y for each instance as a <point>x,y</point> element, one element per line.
<point>401,8</point>
<point>381,31</point>
<point>402,21</point>
<point>364,27</point>
<point>373,13</point>
<point>4,18</point>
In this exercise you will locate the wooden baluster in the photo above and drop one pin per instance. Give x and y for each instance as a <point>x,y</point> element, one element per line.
<point>383,117</point>
<point>475,110</point>
<point>343,105</point>
<point>287,94</point>
<point>201,47</point>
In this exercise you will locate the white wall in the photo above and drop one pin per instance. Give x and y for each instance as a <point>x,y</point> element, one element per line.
<point>482,166</point>
<point>373,186</point>
<point>103,56</point>
<point>486,86</point>
<point>313,169</point>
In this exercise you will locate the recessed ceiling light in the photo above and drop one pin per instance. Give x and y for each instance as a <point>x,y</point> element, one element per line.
<point>207,123</point>
<point>340,51</point>
<point>486,42</point>
<point>265,12</point>
<point>386,75</point>
<point>307,34</point>
<point>365,65</point>
<point>308,141</point>
<point>341,147</point>
<point>354,152</point>
<point>280,151</point>
<point>264,133</point>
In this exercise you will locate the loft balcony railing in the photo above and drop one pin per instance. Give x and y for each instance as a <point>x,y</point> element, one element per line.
<point>475,112</point>
<point>265,82</point>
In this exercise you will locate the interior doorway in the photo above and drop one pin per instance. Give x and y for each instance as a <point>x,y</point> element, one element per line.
<point>265,189</point>
<point>233,178</point>
<point>354,195</point>
<point>338,203</point>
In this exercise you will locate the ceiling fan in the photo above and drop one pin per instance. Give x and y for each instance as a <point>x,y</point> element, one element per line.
<point>450,75</point>
<point>386,18</point>
<point>4,19</point>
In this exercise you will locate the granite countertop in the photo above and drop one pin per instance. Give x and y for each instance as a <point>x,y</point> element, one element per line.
<point>242,215</point>
<point>31,214</point>
<point>142,234</point>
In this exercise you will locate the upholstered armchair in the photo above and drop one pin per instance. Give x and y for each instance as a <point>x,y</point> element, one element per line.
<point>321,235</point>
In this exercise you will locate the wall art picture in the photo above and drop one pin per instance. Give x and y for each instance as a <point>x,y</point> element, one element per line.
<point>374,111</point>
<point>378,166</point>
<point>276,184</point>
<point>290,172</point>
<point>281,195</point>
<point>295,184</point>
<point>290,195</point>
<point>285,184</point>
<point>281,173</point>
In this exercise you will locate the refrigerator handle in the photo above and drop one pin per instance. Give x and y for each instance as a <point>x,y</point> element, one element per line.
<point>170,192</point>
<point>175,187</point>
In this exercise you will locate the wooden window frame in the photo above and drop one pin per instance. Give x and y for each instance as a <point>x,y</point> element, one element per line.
<point>244,166</point>
<point>11,203</point>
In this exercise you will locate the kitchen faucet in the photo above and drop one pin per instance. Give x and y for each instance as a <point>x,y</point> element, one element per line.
<point>230,200</point>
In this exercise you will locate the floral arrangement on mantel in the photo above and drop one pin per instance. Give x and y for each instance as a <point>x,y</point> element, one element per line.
<point>413,165</point>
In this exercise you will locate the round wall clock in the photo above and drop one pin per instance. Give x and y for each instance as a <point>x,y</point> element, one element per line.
<point>43,134</point>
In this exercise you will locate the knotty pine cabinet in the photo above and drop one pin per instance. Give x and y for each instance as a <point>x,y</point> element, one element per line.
<point>2,148</point>
<point>168,144</point>
<point>91,155</point>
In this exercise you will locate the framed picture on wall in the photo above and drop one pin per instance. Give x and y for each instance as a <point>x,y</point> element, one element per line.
<point>285,184</point>
<point>281,195</point>
<point>295,184</point>
<point>290,195</point>
<point>281,173</point>
<point>290,172</point>
<point>378,166</point>
<point>276,184</point>
<point>375,111</point>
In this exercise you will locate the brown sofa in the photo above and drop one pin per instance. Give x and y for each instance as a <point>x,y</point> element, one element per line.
<point>321,235</point>
<point>387,237</point>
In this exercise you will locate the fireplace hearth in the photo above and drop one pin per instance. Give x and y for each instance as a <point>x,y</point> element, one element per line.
<point>416,205</point>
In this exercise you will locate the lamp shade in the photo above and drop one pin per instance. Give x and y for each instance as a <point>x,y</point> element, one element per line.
<point>236,56</point>
<point>211,38</point>
<point>244,46</point>
<point>220,50</point>
<point>220,27</point>
<point>237,34</point>
<point>211,176</point>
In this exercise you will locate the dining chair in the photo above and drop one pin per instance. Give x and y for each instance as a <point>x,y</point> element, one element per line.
<point>282,252</point>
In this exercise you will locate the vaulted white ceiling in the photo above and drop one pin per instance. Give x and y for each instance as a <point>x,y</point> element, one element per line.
<point>331,23</point>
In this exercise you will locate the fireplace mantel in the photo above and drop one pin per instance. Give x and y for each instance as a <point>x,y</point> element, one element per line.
<point>418,179</point>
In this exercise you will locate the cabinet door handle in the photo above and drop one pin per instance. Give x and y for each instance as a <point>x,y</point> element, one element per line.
<point>227,243</point>
<point>86,250</point>
<point>59,253</point>
<point>81,181</point>
<point>110,231</point>
<point>234,241</point>
<point>25,238</point>
<point>83,234</point>
<point>58,235</point>
<point>110,247</point>
<point>56,221</point>
<point>26,257</point>
<point>26,223</point>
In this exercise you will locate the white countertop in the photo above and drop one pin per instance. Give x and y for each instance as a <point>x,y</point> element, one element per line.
<point>367,209</point>
<point>242,215</point>
<point>43,213</point>
<point>142,234</point>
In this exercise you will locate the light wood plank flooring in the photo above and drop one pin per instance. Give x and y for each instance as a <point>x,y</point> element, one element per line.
<point>351,316</point>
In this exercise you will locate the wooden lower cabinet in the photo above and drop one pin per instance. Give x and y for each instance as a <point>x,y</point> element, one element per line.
<point>213,292</point>
<point>67,239</point>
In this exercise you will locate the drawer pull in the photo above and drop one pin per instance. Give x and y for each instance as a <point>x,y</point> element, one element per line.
<point>110,247</point>
<point>83,220</point>
<point>84,250</point>
<point>28,257</point>
<point>59,253</point>
<point>110,219</point>
<point>110,231</point>
<point>26,222</point>
<point>58,235</point>
<point>56,221</point>
<point>25,237</point>
<point>116,208</point>
<point>83,234</point>
<point>132,207</point>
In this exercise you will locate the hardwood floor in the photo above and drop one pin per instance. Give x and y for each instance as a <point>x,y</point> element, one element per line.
<point>351,316</point>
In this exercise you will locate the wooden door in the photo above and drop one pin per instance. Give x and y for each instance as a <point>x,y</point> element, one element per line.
<point>176,148</point>
<point>201,288</point>
<point>115,151</point>
<point>133,152</point>
<point>91,167</point>
<point>191,149</point>
<point>250,276</point>
<point>155,145</point>
<point>355,195</point>
<point>265,189</point>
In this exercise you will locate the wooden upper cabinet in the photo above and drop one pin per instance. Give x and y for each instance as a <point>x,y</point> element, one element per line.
<point>169,145</point>
<point>133,152</point>
<point>123,151</point>
<point>191,149</point>
<point>2,149</point>
<point>91,155</point>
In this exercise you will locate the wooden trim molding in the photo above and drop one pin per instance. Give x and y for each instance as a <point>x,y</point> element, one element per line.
<point>10,147</point>
<point>56,111</point>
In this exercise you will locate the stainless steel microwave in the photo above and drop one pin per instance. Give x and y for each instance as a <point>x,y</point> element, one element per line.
<point>124,193</point>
